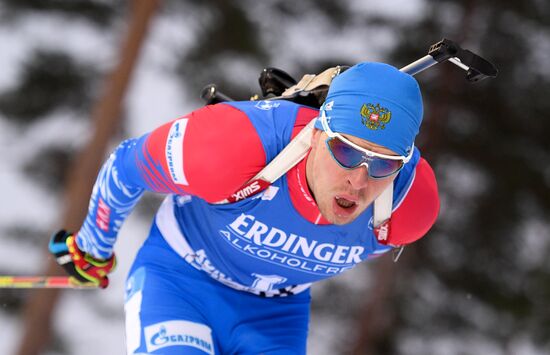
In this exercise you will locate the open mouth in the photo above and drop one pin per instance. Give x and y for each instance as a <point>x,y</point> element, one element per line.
<point>343,207</point>
<point>342,202</point>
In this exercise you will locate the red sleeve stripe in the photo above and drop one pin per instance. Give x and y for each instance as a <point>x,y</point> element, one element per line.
<point>155,176</point>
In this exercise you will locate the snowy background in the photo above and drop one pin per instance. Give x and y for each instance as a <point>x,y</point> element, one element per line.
<point>494,223</point>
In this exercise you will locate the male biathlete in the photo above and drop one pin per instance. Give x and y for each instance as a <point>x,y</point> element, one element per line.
<point>234,278</point>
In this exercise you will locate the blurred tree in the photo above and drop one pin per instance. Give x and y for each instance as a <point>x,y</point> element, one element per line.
<point>50,80</point>
<point>233,44</point>
<point>48,167</point>
<point>99,13</point>
<point>473,276</point>
<point>228,36</point>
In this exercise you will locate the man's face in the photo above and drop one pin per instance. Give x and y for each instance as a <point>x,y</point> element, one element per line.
<point>342,194</point>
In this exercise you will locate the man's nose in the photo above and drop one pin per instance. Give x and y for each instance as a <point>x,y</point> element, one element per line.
<point>358,177</point>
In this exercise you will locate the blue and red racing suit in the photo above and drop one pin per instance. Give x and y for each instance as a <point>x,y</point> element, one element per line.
<point>274,243</point>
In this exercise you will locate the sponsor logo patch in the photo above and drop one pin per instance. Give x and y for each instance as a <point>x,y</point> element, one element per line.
<point>174,151</point>
<point>268,193</point>
<point>179,333</point>
<point>266,282</point>
<point>382,232</point>
<point>246,191</point>
<point>256,239</point>
<point>267,105</point>
<point>183,199</point>
<point>249,189</point>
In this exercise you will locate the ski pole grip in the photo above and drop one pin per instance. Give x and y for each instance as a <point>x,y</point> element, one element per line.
<point>476,67</point>
<point>479,68</point>
<point>443,50</point>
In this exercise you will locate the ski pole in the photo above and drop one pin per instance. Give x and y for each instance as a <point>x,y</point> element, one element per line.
<point>475,66</point>
<point>43,282</point>
<point>275,81</point>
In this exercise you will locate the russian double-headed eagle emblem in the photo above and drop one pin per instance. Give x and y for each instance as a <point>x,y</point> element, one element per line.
<point>374,116</point>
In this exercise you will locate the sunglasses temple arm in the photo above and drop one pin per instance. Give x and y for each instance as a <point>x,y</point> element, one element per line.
<point>476,67</point>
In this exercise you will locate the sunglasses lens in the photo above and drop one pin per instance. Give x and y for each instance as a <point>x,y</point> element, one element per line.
<point>380,168</point>
<point>349,157</point>
<point>344,154</point>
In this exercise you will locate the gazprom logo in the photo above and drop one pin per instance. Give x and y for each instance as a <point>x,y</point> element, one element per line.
<point>179,333</point>
<point>174,151</point>
<point>160,338</point>
<point>176,132</point>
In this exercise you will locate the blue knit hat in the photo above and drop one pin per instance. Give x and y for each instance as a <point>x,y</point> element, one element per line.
<point>375,102</point>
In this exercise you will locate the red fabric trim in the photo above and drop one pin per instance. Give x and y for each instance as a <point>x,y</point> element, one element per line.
<point>153,165</point>
<point>221,151</point>
<point>301,197</point>
<point>418,211</point>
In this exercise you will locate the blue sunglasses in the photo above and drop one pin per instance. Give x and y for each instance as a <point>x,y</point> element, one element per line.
<point>351,156</point>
